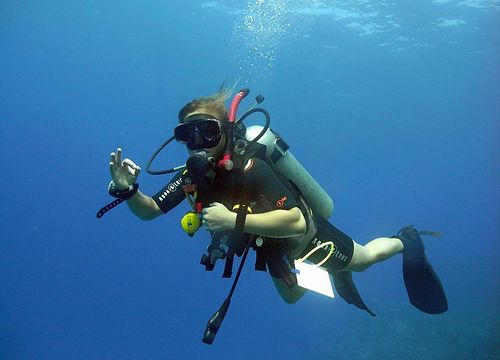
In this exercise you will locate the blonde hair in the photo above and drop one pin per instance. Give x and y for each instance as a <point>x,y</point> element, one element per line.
<point>213,104</point>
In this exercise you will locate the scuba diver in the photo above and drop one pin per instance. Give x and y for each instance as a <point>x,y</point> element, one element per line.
<point>248,191</point>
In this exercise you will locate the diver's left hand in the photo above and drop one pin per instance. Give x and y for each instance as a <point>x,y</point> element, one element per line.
<point>217,217</point>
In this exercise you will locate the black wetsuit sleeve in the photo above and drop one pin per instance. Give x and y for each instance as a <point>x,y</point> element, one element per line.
<point>172,194</point>
<point>271,190</point>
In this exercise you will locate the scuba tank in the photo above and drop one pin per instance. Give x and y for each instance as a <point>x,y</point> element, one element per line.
<point>277,150</point>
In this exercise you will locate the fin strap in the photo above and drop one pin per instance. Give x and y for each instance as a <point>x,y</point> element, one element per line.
<point>429,233</point>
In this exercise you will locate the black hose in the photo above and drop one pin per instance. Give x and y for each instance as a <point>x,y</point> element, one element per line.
<point>155,154</point>
<point>266,126</point>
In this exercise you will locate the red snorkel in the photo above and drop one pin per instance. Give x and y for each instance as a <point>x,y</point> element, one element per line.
<point>226,163</point>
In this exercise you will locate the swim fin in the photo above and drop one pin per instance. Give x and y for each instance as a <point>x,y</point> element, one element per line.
<point>347,290</point>
<point>422,283</point>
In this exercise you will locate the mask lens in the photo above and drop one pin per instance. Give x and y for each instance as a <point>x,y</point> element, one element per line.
<point>183,132</point>
<point>209,129</point>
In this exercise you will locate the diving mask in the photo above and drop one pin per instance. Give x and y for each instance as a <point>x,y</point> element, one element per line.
<point>200,131</point>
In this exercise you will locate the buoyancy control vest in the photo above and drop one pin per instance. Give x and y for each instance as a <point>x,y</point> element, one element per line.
<point>272,254</point>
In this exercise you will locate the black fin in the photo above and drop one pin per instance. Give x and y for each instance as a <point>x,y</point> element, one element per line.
<point>347,290</point>
<point>424,288</point>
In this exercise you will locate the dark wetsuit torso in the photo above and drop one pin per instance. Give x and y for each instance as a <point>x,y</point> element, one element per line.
<point>264,190</point>
<point>261,187</point>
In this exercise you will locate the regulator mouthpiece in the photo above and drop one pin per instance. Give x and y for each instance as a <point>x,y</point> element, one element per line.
<point>200,163</point>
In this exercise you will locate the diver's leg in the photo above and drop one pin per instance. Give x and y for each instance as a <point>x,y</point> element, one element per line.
<point>290,295</point>
<point>375,251</point>
<point>343,253</point>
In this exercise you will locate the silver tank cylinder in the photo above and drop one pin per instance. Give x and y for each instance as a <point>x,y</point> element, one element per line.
<point>288,166</point>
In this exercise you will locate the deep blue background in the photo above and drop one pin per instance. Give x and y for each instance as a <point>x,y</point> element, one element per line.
<point>399,123</point>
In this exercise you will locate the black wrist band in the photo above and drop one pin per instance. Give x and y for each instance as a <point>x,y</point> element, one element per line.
<point>241,216</point>
<point>124,194</point>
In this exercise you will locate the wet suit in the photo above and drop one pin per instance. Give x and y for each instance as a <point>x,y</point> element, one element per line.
<point>264,190</point>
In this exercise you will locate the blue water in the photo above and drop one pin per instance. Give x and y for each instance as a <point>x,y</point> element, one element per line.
<point>394,108</point>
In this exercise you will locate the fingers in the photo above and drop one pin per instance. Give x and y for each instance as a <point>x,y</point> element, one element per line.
<point>112,167</point>
<point>209,225</point>
<point>115,160</point>
<point>206,216</point>
<point>211,216</point>
<point>112,164</point>
<point>213,219</point>
<point>131,166</point>
<point>206,210</point>
<point>118,156</point>
<point>210,209</point>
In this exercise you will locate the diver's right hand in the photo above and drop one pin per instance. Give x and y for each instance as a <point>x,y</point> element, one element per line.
<point>124,173</point>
